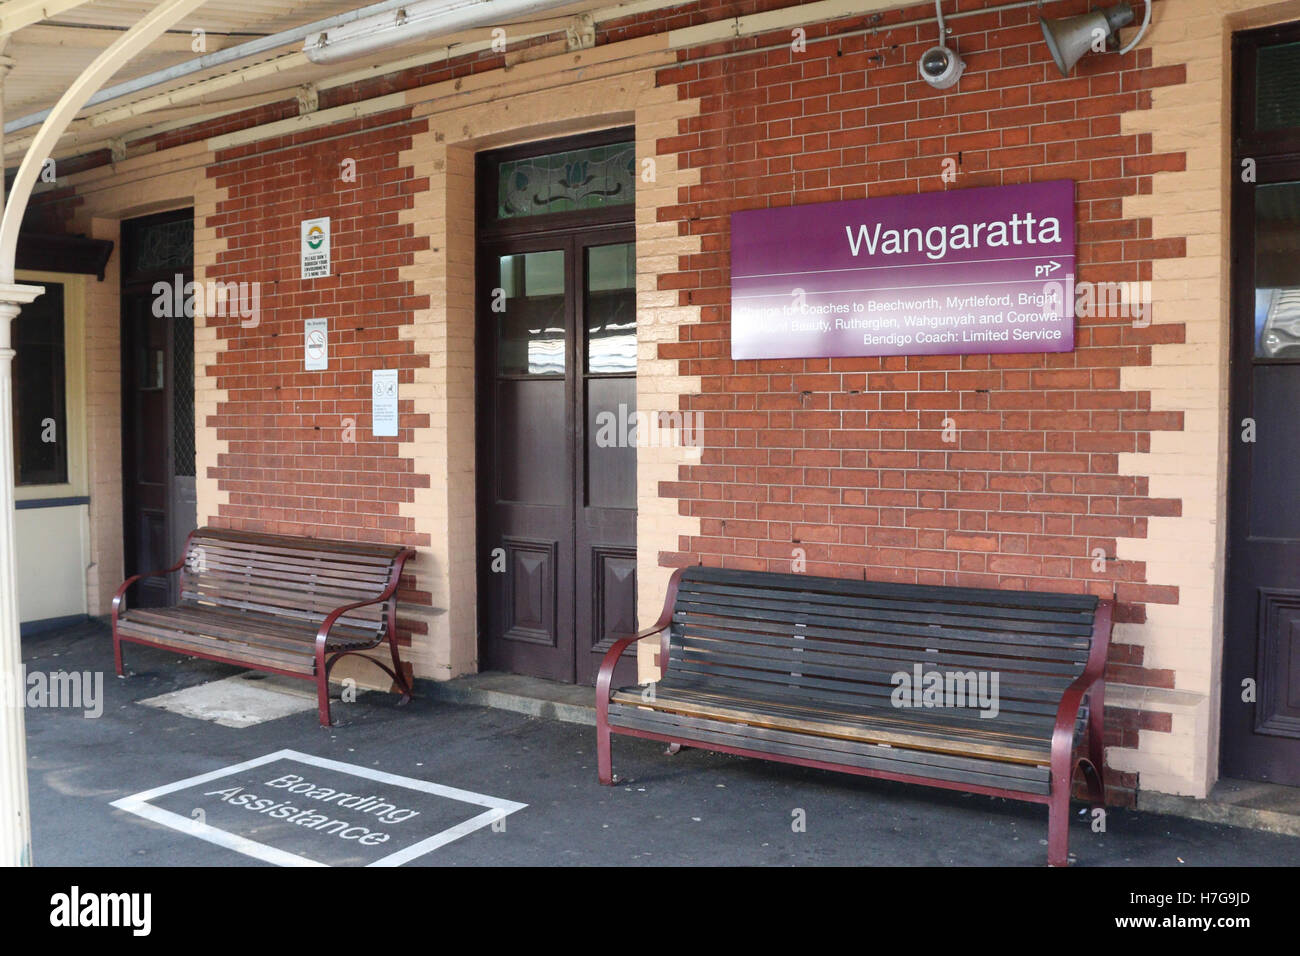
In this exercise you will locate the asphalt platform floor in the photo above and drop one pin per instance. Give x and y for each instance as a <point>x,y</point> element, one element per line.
<point>690,809</point>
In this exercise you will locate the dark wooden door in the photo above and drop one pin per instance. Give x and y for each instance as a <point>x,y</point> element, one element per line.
<point>158,482</point>
<point>1261,710</point>
<point>526,476</point>
<point>557,452</point>
<point>606,440</point>
<point>557,435</point>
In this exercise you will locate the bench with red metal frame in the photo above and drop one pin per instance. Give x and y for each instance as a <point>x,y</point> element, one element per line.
<point>276,603</point>
<point>806,670</point>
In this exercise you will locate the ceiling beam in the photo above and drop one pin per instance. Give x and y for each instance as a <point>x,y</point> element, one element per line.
<point>79,36</point>
<point>17,14</point>
<point>118,54</point>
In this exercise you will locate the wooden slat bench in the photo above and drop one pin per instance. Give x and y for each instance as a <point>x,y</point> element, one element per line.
<point>276,603</point>
<point>805,670</point>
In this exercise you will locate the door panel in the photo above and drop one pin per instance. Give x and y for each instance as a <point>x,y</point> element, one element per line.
<point>557,454</point>
<point>1278,711</point>
<point>529,431</point>
<point>606,515</point>
<point>146,490</point>
<point>526,518</point>
<point>158,475</point>
<point>1261,710</point>
<point>529,598</point>
<point>612,431</point>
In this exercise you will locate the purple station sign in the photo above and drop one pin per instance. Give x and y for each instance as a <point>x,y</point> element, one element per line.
<point>958,272</point>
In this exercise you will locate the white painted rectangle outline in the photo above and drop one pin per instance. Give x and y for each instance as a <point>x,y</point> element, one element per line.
<point>138,803</point>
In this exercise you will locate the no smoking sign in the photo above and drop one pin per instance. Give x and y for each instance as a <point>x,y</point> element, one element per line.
<point>316,344</point>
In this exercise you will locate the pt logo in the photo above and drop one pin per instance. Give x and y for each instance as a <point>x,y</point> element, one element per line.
<point>315,236</point>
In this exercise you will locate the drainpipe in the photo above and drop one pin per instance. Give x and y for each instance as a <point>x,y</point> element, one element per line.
<point>15,817</point>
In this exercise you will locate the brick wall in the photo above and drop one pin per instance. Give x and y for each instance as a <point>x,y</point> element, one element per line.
<point>298,455</point>
<point>1056,455</point>
<point>841,463</point>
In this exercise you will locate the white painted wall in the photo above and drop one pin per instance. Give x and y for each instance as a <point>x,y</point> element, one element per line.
<point>50,550</point>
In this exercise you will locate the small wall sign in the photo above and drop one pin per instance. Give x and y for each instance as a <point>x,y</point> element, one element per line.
<point>315,248</point>
<point>383,395</point>
<point>316,344</point>
<point>959,272</point>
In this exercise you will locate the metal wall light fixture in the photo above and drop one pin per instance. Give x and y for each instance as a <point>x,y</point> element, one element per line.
<point>940,66</point>
<point>1070,38</point>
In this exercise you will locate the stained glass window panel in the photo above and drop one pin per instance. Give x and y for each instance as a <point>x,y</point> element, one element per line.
<point>1277,76</point>
<point>162,247</point>
<point>563,182</point>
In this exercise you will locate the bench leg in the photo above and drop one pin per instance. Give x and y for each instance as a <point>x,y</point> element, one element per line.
<point>1092,776</point>
<point>604,770</point>
<point>117,653</point>
<point>399,678</point>
<point>323,700</point>
<point>1058,824</point>
<point>1097,745</point>
<point>322,685</point>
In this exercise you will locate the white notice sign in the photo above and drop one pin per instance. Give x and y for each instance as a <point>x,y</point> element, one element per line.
<point>383,393</point>
<point>316,344</point>
<point>315,248</point>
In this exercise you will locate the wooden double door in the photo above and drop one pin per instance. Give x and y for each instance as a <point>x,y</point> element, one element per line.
<point>557,450</point>
<point>1261,655</point>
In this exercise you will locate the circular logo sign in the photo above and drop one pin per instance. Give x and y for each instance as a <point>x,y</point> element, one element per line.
<point>316,343</point>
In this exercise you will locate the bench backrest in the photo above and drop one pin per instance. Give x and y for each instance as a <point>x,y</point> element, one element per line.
<point>300,578</point>
<point>839,643</point>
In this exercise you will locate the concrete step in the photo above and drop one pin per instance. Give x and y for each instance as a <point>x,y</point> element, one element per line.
<point>533,696</point>
<point>1238,803</point>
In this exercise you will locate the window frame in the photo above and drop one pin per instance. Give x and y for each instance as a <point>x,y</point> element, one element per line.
<point>74,378</point>
<point>1247,140</point>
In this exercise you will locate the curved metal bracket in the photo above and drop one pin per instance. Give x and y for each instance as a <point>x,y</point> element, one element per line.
<point>152,25</point>
<point>1146,22</point>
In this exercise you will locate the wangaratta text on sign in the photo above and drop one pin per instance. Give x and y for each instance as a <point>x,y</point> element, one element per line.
<point>959,272</point>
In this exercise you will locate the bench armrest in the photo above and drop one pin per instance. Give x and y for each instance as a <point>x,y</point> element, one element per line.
<point>1094,673</point>
<point>120,595</point>
<point>606,676</point>
<point>394,578</point>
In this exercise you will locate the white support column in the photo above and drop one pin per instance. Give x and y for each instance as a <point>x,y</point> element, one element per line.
<point>15,817</point>
<point>15,814</point>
